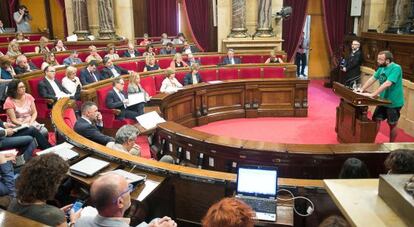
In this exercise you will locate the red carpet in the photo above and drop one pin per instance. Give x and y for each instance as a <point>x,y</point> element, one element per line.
<point>317,128</point>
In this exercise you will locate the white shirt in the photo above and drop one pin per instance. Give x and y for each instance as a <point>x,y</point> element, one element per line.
<point>120,95</point>
<point>70,85</point>
<point>170,85</point>
<point>114,72</point>
<point>195,81</point>
<point>56,89</point>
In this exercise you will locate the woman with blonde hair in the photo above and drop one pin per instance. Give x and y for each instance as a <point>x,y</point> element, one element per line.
<point>178,61</point>
<point>111,52</point>
<point>150,64</point>
<point>93,55</point>
<point>42,47</point>
<point>13,49</point>
<point>49,60</point>
<point>170,84</point>
<point>71,82</point>
<point>20,38</point>
<point>229,212</point>
<point>273,58</point>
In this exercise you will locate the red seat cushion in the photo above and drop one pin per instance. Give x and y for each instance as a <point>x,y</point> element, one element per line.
<point>210,60</point>
<point>83,55</point>
<point>27,48</point>
<point>148,83</point>
<point>129,65</point>
<point>61,56</point>
<point>37,60</point>
<point>142,141</point>
<point>101,96</point>
<point>208,75</point>
<point>227,73</point>
<point>273,72</point>
<point>164,62</point>
<point>69,117</point>
<point>249,73</point>
<point>180,76</point>
<point>41,104</point>
<point>141,65</point>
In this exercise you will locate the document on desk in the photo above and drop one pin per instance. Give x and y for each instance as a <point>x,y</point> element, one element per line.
<point>64,150</point>
<point>215,82</point>
<point>150,186</point>
<point>150,120</point>
<point>136,98</point>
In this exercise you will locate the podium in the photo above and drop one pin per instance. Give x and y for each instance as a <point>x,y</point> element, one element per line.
<point>352,123</point>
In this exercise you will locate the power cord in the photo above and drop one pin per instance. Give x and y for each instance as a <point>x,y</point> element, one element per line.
<point>310,209</point>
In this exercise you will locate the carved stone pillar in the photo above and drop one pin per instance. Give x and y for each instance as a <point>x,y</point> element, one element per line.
<point>264,23</point>
<point>80,16</point>
<point>399,10</point>
<point>106,19</point>
<point>238,19</point>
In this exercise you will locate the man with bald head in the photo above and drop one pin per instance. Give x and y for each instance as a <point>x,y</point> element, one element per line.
<point>110,194</point>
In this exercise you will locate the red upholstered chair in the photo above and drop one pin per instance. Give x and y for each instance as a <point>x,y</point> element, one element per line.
<point>69,117</point>
<point>121,52</point>
<point>157,50</point>
<point>38,60</point>
<point>141,65</point>
<point>148,83</point>
<point>34,37</point>
<point>82,55</point>
<point>102,53</point>
<point>180,76</point>
<point>3,49</point>
<point>141,49</point>
<point>208,75</point>
<point>142,141</point>
<point>164,62</point>
<point>108,115</point>
<point>251,59</point>
<point>41,104</point>
<point>273,72</point>
<point>4,39</point>
<point>61,56</point>
<point>210,60</point>
<point>227,73</point>
<point>130,65</point>
<point>249,73</point>
<point>158,81</point>
<point>27,48</point>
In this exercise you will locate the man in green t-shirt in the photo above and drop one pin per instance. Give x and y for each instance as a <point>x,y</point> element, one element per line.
<point>389,75</point>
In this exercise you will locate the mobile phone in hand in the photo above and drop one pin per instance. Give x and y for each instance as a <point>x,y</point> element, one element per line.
<point>77,205</point>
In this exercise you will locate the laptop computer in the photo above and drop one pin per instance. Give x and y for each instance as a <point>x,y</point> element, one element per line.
<point>88,167</point>
<point>257,187</point>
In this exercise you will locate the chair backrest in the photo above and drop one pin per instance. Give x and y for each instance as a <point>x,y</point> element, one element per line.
<point>180,76</point>
<point>158,81</point>
<point>210,60</point>
<point>101,96</point>
<point>37,60</point>
<point>248,73</point>
<point>227,73</point>
<point>273,72</point>
<point>61,56</point>
<point>129,65</point>
<point>69,117</point>
<point>209,75</point>
<point>33,86</point>
<point>251,59</point>
<point>164,62</point>
<point>148,83</point>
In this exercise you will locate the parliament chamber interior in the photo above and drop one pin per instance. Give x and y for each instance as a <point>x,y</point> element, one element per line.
<point>166,113</point>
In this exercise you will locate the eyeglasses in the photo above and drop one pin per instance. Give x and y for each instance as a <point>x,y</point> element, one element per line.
<point>129,189</point>
<point>52,71</point>
<point>21,87</point>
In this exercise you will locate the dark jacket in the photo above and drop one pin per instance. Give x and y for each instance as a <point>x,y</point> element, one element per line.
<point>86,77</point>
<point>91,132</point>
<point>226,61</point>
<point>188,79</point>
<point>46,91</point>
<point>352,64</point>
<point>20,70</point>
<point>107,73</point>
<point>128,55</point>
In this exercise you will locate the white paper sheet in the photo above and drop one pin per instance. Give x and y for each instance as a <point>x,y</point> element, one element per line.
<point>150,120</point>
<point>136,98</point>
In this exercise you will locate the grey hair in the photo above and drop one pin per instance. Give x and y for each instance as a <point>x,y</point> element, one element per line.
<point>125,133</point>
<point>86,106</point>
<point>20,58</point>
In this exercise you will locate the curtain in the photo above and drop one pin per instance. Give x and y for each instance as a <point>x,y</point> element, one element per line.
<point>335,17</point>
<point>12,8</point>
<point>65,24</point>
<point>162,17</point>
<point>196,13</point>
<point>293,26</point>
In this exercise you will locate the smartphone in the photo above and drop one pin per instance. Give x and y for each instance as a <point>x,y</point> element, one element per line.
<point>77,205</point>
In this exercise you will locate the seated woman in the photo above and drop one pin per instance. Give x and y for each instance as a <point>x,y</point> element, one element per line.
<point>111,52</point>
<point>193,77</point>
<point>170,84</point>
<point>135,87</point>
<point>354,168</point>
<point>149,51</point>
<point>125,139</point>
<point>49,60</point>
<point>59,46</point>
<point>150,64</point>
<point>42,47</point>
<point>177,61</point>
<point>21,108</point>
<point>273,58</point>
<point>93,55</point>
<point>71,82</point>
<point>6,69</point>
<point>13,49</point>
<point>20,38</point>
<point>38,182</point>
<point>146,41</point>
<point>229,212</point>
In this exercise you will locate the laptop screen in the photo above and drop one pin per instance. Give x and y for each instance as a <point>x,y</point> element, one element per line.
<point>257,181</point>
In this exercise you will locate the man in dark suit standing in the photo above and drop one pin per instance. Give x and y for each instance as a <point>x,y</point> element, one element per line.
<point>90,124</point>
<point>118,99</point>
<point>89,74</point>
<point>230,59</point>
<point>110,70</point>
<point>352,65</point>
<point>50,88</point>
<point>23,66</point>
<point>193,77</point>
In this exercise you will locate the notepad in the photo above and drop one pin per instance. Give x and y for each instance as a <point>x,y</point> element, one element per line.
<point>150,120</point>
<point>23,126</point>
<point>130,177</point>
<point>64,150</point>
<point>88,167</point>
<point>136,98</point>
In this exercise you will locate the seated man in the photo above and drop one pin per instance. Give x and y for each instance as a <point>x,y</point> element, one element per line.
<point>165,39</point>
<point>23,66</point>
<point>188,49</point>
<point>131,52</point>
<point>110,70</point>
<point>111,196</point>
<point>193,77</point>
<point>168,49</point>
<point>50,88</point>
<point>230,59</point>
<point>93,56</point>
<point>90,124</point>
<point>125,139</point>
<point>7,186</point>
<point>191,60</point>
<point>89,74</point>
<point>118,99</point>
<point>72,59</point>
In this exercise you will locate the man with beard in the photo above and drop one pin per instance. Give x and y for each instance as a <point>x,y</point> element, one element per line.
<point>352,65</point>
<point>389,75</point>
